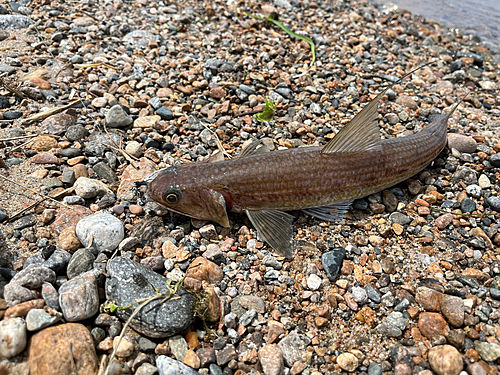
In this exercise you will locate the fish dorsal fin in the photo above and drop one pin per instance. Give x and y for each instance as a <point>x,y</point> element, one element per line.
<point>215,157</point>
<point>274,227</point>
<point>362,132</point>
<point>254,149</point>
<point>334,212</point>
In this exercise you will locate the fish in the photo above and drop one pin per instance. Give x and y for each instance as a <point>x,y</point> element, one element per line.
<point>321,181</point>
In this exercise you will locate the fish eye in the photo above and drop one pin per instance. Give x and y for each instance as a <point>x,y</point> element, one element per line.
<point>171,197</point>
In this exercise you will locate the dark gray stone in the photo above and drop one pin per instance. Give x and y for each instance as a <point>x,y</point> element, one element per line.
<point>105,172</point>
<point>76,133</point>
<point>399,218</point>
<point>467,205</point>
<point>34,276</point>
<point>332,262</point>
<point>129,282</point>
<point>165,113</point>
<point>68,176</point>
<point>81,261</point>
<point>57,261</point>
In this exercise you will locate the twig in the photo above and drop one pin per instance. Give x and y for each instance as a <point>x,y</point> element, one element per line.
<point>34,191</point>
<point>51,112</point>
<point>119,146</point>
<point>217,141</point>
<point>13,90</point>
<point>21,145</point>
<point>18,138</point>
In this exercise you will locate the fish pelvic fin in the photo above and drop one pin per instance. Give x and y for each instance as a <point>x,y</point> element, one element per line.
<point>335,212</point>
<point>274,227</point>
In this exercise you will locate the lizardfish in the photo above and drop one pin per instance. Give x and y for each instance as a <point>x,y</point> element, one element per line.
<point>322,181</point>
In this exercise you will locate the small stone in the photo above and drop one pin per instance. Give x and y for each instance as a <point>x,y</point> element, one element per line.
<point>44,143</point>
<point>81,261</point>
<point>134,148</point>
<point>332,262</point>
<point>146,369</point>
<point>432,325</point>
<point>217,93</point>
<point>407,101</point>
<point>89,188</point>
<point>453,310</point>
<point>192,360</point>
<point>467,205</point>
<point>462,143</point>
<point>169,366</point>
<point>165,113</point>
<point>494,203</point>
<point>117,117</point>
<point>292,348</point>
<point>348,362</point>
<point>62,349</point>
<point>487,351</point>
<point>271,359</point>
<point>68,240</point>
<point>104,230</point>
<point>253,303</point>
<point>146,121</point>
<point>12,337</point>
<point>429,299</point>
<point>204,270</point>
<point>125,348</point>
<point>105,172</point>
<point>443,221</point>
<point>38,319</point>
<point>15,294</point>
<point>136,209</point>
<point>51,296</point>
<point>484,182</point>
<point>208,232</point>
<point>179,347</point>
<point>79,298</point>
<point>34,276</point>
<point>314,282</point>
<point>445,360</point>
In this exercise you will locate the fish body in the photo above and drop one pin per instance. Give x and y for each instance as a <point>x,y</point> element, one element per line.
<point>322,181</point>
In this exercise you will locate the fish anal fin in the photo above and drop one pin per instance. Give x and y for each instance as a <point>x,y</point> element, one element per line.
<point>360,134</point>
<point>274,227</point>
<point>254,149</point>
<point>329,213</point>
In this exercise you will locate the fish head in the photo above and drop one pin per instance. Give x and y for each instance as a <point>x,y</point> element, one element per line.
<point>180,193</point>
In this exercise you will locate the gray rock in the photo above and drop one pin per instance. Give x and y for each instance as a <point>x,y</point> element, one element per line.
<point>465,174</point>
<point>4,68</point>
<point>146,369</point>
<point>247,317</point>
<point>79,298</point>
<point>88,188</point>
<point>130,281</point>
<point>139,38</point>
<point>169,366</point>
<point>76,133</point>
<point>57,261</point>
<point>51,296</point>
<point>332,262</point>
<point>81,261</point>
<point>165,113</point>
<point>359,295</point>
<point>270,261</point>
<point>15,294</point>
<point>487,351</point>
<point>292,348</point>
<point>39,318</point>
<point>179,347</point>
<point>68,176</point>
<point>105,172</point>
<point>106,230</point>
<point>12,337</point>
<point>396,319</point>
<point>117,117</point>
<point>372,294</point>
<point>388,330</point>
<point>14,21</point>
<point>34,276</point>
<point>494,203</point>
<point>399,218</point>
<point>374,369</point>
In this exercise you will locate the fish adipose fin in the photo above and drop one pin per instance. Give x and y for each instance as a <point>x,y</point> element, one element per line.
<point>274,227</point>
<point>254,149</point>
<point>334,212</point>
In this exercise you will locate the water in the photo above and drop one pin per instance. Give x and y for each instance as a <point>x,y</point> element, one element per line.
<point>481,17</point>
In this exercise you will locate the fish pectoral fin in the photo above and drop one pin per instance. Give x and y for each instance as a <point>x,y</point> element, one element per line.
<point>360,134</point>
<point>274,227</point>
<point>216,206</point>
<point>254,149</point>
<point>334,212</point>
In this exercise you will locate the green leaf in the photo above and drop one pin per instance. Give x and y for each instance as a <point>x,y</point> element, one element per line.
<point>289,32</point>
<point>267,113</point>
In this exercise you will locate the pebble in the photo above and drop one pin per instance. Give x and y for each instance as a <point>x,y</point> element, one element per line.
<point>79,298</point>
<point>64,348</point>
<point>291,348</point>
<point>125,348</point>
<point>348,362</point>
<point>453,310</point>
<point>487,351</point>
<point>432,325</point>
<point>443,221</point>
<point>314,282</point>
<point>179,347</point>
<point>81,261</point>
<point>37,319</point>
<point>462,143</point>
<point>271,359</point>
<point>204,270</point>
<point>332,262</point>
<point>13,337</point>
<point>134,148</point>
<point>68,240</point>
<point>129,282</point>
<point>169,366</point>
<point>117,117</point>
<point>445,360</point>
<point>89,188</point>
<point>103,229</point>
<point>429,299</point>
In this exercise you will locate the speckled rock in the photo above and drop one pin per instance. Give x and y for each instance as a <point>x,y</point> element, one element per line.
<point>105,230</point>
<point>169,366</point>
<point>445,360</point>
<point>12,337</point>
<point>88,188</point>
<point>432,325</point>
<point>271,359</point>
<point>348,362</point>
<point>79,298</point>
<point>453,310</point>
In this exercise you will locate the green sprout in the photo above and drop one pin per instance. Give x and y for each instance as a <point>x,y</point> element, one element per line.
<point>267,113</point>
<point>271,18</point>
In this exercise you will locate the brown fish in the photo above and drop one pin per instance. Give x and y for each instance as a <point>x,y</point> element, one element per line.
<point>322,181</point>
